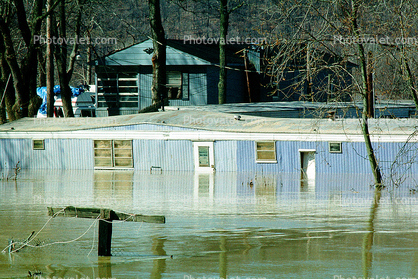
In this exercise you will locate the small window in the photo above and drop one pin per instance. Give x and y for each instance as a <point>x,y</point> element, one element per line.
<point>266,151</point>
<point>335,147</point>
<point>204,156</point>
<point>38,144</point>
<point>177,86</point>
<point>113,154</point>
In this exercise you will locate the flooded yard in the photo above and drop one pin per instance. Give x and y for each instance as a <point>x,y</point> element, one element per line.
<point>222,225</point>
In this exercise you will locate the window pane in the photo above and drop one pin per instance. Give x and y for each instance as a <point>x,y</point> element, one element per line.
<point>103,162</point>
<point>102,153</point>
<point>266,151</point>
<point>127,82</point>
<point>173,79</point>
<point>265,145</point>
<point>127,153</point>
<point>38,144</point>
<point>174,93</point>
<point>265,155</point>
<point>123,162</point>
<point>203,156</point>
<point>335,147</point>
<point>123,144</point>
<point>102,144</point>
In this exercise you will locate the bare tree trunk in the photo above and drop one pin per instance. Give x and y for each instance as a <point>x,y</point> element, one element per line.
<point>61,59</point>
<point>41,69</point>
<point>370,89</point>
<point>29,66</point>
<point>25,69</point>
<point>20,108</point>
<point>89,55</point>
<point>159,72</point>
<point>8,99</point>
<point>364,123</point>
<point>224,21</point>
<point>404,59</point>
<point>411,80</point>
<point>49,65</point>
<point>309,93</point>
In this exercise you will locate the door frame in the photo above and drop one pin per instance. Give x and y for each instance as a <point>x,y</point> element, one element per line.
<point>301,153</point>
<point>211,167</point>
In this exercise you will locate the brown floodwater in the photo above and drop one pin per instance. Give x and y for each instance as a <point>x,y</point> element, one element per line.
<point>222,225</point>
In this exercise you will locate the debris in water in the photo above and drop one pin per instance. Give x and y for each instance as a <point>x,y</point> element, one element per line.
<point>34,273</point>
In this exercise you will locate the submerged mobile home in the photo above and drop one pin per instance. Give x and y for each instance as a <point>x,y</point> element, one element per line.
<point>207,142</point>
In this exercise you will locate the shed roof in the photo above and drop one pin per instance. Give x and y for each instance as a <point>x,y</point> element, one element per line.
<point>216,121</point>
<point>178,53</point>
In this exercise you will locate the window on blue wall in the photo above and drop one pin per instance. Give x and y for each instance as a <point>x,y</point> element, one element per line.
<point>177,85</point>
<point>266,152</point>
<point>38,144</point>
<point>113,154</point>
<point>335,147</point>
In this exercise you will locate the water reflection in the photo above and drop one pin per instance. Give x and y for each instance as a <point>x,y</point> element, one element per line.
<point>223,260</point>
<point>118,185</point>
<point>218,224</point>
<point>159,265</point>
<point>105,267</point>
<point>369,237</point>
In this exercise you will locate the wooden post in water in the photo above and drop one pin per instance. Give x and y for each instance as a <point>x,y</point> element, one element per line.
<point>105,238</point>
<point>106,216</point>
<point>105,232</point>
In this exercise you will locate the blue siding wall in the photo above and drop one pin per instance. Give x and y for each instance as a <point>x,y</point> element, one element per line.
<point>145,97</point>
<point>169,155</point>
<point>353,158</point>
<point>197,91</point>
<point>225,155</point>
<point>58,154</point>
<point>397,160</point>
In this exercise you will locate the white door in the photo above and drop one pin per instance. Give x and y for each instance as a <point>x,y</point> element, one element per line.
<point>203,156</point>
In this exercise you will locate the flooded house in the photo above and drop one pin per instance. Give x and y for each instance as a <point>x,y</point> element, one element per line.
<point>201,141</point>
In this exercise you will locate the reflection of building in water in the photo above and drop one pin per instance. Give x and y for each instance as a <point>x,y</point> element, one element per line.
<point>265,188</point>
<point>203,186</point>
<point>116,185</point>
<point>145,191</point>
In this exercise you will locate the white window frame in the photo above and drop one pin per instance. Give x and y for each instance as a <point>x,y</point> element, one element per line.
<point>264,160</point>
<point>340,145</point>
<point>211,166</point>
<point>112,156</point>
<point>43,144</point>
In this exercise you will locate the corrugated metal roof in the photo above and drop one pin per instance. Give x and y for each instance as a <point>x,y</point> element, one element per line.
<point>293,106</point>
<point>216,121</point>
<point>178,53</point>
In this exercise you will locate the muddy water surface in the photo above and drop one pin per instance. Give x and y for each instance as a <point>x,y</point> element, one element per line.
<point>224,225</point>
